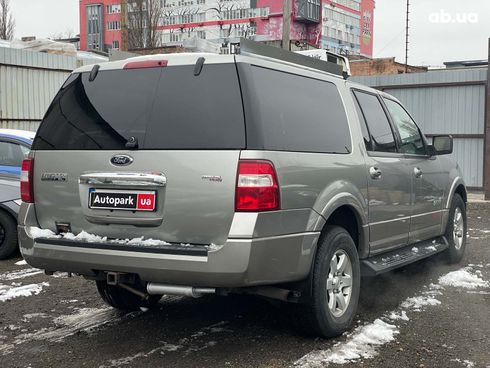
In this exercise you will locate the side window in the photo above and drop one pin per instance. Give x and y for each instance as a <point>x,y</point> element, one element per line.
<point>365,132</point>
<point>10,154</point>
<point>382,139</point>
<point>412,141</point>
<point>281,121</point>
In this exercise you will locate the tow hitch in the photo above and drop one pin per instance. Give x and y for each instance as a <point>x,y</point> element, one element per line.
<point>122,280</point>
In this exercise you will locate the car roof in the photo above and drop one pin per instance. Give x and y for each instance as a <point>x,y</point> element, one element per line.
<point>23,135</point>
<point>184,58</point>
<point>190,58</point>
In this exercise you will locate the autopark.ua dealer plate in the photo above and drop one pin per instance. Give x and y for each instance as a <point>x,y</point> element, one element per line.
<point>135,200</point>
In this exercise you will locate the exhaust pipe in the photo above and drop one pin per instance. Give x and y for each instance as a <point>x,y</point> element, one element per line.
<point>162,289</point>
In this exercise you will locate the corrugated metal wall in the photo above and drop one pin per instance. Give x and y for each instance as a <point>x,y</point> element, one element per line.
<point>28,82</point>
<point>450,101</point>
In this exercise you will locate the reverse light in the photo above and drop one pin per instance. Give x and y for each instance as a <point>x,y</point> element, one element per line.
<point>257,188</point>
<point>26,182</point>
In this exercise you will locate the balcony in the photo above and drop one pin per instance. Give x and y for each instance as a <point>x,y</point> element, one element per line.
<point>308,11</point>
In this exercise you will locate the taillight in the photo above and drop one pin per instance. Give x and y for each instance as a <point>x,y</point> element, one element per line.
<point>257,188</point>
<point>26,184</point>
<point>143,64</point>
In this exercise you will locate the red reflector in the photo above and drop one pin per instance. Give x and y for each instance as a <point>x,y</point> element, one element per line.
<point>257,188</point>
<point>146,64</point>
<point>26,183</point>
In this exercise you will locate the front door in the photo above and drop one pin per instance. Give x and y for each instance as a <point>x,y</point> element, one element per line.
<point>426,176</point>
<point>389,181</point>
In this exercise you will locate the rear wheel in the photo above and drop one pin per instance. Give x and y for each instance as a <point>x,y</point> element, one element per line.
<point>123,299</point>
<point>335,287</point>
<point>8,235</point>
<point>456,230</point>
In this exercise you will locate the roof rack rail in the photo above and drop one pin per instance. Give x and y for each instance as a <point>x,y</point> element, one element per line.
<point>252,48</point>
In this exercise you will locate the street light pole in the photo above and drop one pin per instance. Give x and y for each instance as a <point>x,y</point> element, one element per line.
<point>286,23</point>
<point>407,35</point>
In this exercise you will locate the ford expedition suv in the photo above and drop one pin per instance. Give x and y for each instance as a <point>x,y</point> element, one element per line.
<point>194,174</point>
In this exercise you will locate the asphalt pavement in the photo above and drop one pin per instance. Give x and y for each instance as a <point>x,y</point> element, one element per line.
<point>428,314</point>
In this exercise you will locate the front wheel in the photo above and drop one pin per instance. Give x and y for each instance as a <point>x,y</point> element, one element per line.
<point>456,230</point>
<point>335,286</point>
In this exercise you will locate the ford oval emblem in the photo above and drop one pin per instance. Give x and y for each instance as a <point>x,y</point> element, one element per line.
<point>121,160</point>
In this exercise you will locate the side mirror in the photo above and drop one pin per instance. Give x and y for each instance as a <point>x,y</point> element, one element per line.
<point>441,145</point>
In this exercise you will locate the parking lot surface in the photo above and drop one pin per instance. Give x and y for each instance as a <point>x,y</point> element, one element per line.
<point>428,314</point>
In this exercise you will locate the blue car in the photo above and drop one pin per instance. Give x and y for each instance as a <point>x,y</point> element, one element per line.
<point>14,145</point>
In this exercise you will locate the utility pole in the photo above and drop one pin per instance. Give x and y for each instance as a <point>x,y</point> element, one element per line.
<point>407,36</point>
<point>286,23</point>
<point>486,162</point>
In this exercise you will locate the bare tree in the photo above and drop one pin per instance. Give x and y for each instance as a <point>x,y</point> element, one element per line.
<point>68,33</point>
<point>143,19</point>
<point>223,11</point>
<point>7,22</point>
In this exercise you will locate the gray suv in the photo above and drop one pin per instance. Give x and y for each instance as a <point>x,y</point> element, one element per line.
<point>192,174</point>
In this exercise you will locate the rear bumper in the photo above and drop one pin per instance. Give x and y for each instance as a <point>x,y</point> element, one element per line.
<point>238,263</point>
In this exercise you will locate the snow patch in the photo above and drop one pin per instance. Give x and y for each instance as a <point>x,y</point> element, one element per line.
<point>361,343</point>
<point>165,347</point>
<point>415,249</point>
<point>401,316</point>
<point>29,316</point>
<point>84,236</point>
<point>463,278</point>
<point>466,363</point>
<point>41,233</point>
<point>129,359</point>
<point>418,302</point>
<point>84,320</point>
<point>21,263</point>
<point>14,275</point>
<point>431,247</point>
<point>15,292</point>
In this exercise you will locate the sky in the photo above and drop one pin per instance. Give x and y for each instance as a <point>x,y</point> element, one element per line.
<point>441,30</point>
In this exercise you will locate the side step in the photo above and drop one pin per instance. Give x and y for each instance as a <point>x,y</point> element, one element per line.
<point>391,260</point>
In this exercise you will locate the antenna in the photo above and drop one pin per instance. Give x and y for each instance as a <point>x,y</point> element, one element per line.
<point>407,36</point>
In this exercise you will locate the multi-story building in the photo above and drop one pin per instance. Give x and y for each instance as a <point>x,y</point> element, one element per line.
<point>344,26</point>
<point>100,24</point>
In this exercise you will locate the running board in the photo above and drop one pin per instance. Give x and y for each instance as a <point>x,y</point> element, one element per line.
<point>391,260</point>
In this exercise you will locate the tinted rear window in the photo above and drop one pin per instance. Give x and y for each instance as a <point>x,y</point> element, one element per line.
<point>163,108</point>
<point>288,112</point>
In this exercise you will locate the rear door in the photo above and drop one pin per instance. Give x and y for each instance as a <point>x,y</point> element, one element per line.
<point>149,152</point>
<point>389,185</point>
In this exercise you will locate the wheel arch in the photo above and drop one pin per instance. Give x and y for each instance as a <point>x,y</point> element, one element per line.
<point>9,211</point>
<point>347,211</point>
<point>457,186</point>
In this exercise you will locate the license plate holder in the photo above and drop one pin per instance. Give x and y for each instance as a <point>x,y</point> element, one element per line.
<point>124,200</point>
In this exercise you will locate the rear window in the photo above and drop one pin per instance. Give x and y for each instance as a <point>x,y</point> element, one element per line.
<point>288,112</point>
<point>163,108</point>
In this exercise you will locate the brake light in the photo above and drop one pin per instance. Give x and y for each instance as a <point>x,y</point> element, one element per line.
<point>26,183</point>
<point>146,64</point>
<point>257,188</point>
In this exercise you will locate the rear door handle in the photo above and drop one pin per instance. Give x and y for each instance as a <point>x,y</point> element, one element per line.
<point>374,172</point>
<point>417,172</point>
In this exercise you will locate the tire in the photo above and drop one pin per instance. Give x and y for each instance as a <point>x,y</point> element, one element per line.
<point>456,230</point>
<point>123,299</point>
<point>8,235</point>
<point>323,315</point>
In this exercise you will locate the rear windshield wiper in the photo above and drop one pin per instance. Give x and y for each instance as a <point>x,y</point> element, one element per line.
<point>132,143</point>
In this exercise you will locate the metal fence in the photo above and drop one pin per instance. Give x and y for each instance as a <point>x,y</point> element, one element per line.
<point>28,82</point>
<point>449,101</point>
